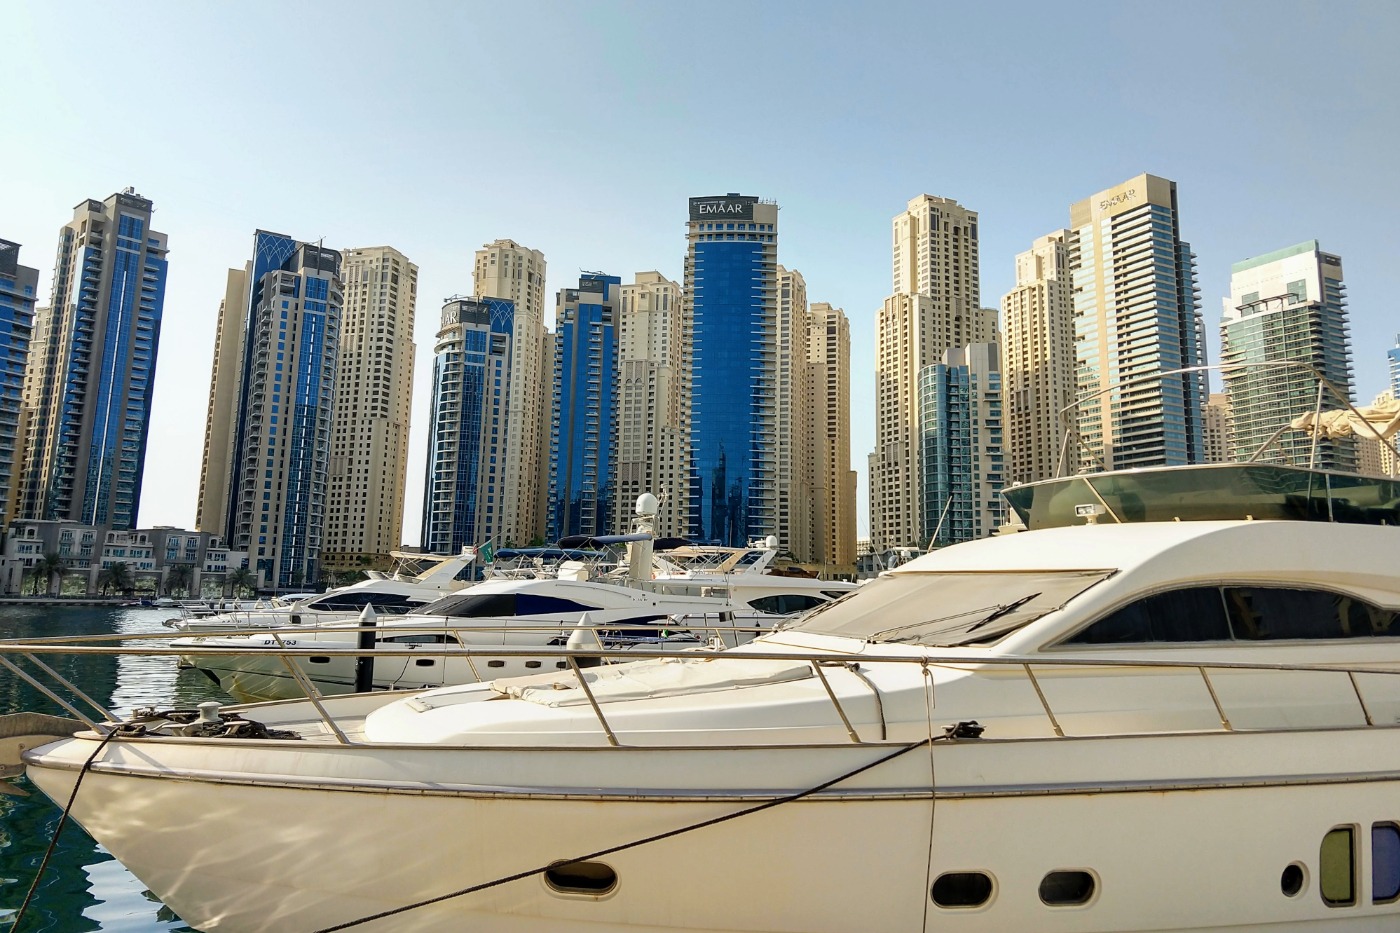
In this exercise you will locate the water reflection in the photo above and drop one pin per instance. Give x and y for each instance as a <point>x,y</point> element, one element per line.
<point>84,888</point>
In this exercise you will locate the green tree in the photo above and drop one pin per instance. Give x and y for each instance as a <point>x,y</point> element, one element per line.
<point>178,577</point>
<point>51,569</point>
<point>240,578</point>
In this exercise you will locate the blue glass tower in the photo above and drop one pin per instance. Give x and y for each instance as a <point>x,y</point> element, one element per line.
<point>282,315</point>
<point>583,426</point>
<point>1392,356</point>
<point>961,462</point>
<point>462,499</point>
<point>93,362</point>
<point>17,287</point>
<point>732,308</point>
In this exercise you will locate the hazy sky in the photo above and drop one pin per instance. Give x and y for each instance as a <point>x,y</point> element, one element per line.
<point>581,129</point>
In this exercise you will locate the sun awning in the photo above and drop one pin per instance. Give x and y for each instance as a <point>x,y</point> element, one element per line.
<point>1380,420</point>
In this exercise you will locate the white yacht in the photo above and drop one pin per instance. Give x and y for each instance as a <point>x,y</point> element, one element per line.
<point>1170,704</point>
<point>389,594</point>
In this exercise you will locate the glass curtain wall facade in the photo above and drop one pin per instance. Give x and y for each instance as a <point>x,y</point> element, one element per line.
<point>962,470</point>
<point>466,463</point>
<point>1136,315</point>
<point>731,304</point>
<point>89,385</point>
<point>18,286</point>
<point>282,430</point>
<point>1392,357</point>
<point>583,426</point>
<point>1286,305</point>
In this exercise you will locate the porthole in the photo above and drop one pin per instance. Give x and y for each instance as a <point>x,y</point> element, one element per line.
<point>532,663</point>
<point>962,889</point>
<point>495,664</point>
<point>591,878</point>
<point>1067,888</point>
<point>319,660</point>
<point>1292,880</point>
<point>1385,863</point>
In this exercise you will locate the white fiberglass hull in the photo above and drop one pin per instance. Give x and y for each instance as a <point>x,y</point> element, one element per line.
<point>304,838</point>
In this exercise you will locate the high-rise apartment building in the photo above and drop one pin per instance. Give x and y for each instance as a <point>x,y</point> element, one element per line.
<point>18,288</point>
<point>1392,357</point>
<point>1286,305</point>
<point>505,269</point>
<point>1037,366</point>
<point>583,423</point>
<point>1136,315</point>
<point>374,392</point>
<point>962,463</point>
<point>936,307</point>
<point>653,446</point>
<point>467,465</point>
<point>271,398</point>
<point>731,305</point>
<point>796,471</point>
<point>834,489</point>
<point>1374,455</point>
<point>92,365</point>
<point>1217,428</point>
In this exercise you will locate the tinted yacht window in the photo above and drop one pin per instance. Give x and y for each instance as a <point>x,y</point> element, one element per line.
<point>786,603</point>
<point>1266,613</point>
<point>1194,614</point>
<point>391,603</point>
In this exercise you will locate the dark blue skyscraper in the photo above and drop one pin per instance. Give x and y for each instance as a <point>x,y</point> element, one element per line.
<point>583,429</point>
<point>731,302</point>
<point>466,467</point>
<point>92,366</point>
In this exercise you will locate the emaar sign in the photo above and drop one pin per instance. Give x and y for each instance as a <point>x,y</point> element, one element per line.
<point>728,207</point>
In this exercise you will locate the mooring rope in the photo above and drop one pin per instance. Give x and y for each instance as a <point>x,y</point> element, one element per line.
<point>766,805</point>
<point>58,830</point>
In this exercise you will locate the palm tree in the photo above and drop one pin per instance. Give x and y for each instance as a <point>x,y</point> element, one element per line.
<point>115,576</point>
<point>178,578</point>
<point>240,578</point>
<point>51,568</point>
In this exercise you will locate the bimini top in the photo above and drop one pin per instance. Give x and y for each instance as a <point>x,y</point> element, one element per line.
<point>1213,492</point>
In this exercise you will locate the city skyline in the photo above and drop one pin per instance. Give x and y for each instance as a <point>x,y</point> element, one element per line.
<point>837,198</point>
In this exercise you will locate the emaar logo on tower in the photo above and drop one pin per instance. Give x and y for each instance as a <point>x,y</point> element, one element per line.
<point>727,207</point>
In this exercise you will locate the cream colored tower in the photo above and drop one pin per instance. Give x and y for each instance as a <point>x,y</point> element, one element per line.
<point>834,490</point>
<point>1217,424</point>
<point>653,442</point>
<point>1037,366</point>
<point>225,389</point>
<point>369,433</point>
<point>936,307</point>
<point>793,393</point>
<point>505,269</point>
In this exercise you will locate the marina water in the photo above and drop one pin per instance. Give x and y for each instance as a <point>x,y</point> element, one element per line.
<point>84,888</point>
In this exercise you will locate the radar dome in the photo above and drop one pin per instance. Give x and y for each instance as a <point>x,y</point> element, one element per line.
<point>646,504</point>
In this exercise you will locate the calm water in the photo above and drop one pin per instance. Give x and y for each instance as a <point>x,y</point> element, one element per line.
<point>84,888</point>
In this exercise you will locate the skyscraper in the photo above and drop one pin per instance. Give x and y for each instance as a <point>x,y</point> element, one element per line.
<point>1217,428</point>
<point>467,464</point>
<point>1136,314</point>
<point>962,462</point>
<point>369,432</point>
<point>1286,305</point>
<point>731,269</point>
<point>796,471</point>
<point>583,424</point>
<point>505,269</point>
<point>268,434</point>
<point>92,366</point>
<point>936,307</point>
<point>1037,368</point>
<point>834,490</point>
<point>18,288</point>
<point>1392,357</point>
<point>653,447</point>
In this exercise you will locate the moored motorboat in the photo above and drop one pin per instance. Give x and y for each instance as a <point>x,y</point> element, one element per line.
<point>1169,705</point>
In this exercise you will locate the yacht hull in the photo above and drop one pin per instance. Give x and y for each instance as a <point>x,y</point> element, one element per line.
<point>295,838</point>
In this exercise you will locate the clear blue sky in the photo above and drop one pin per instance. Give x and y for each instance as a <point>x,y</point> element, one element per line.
<point>580,130</point>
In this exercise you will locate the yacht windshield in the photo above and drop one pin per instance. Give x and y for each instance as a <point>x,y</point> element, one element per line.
<point>946,609</point>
